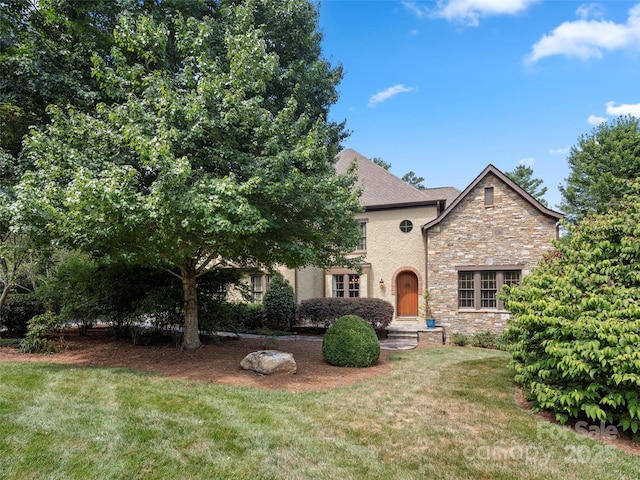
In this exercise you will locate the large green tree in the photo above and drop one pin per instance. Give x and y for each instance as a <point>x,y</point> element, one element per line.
<point>601,164</point>
<point>523,176</point>
<point>575,327</point>
<point>46,50</point>
<point>45,58</point>
<point>214,150</point>
<point>15,248</point>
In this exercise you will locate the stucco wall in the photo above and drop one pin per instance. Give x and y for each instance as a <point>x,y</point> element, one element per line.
<point>308,283</point>
<point>511,232</point>
<point>390,250</point>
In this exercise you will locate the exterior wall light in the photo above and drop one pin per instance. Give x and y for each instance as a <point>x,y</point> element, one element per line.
<point>381,283</point>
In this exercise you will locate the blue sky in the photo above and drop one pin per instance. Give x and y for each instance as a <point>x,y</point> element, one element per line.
<point>444,88</point>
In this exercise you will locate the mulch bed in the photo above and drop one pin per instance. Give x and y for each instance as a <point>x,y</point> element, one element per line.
<point>217,362</point>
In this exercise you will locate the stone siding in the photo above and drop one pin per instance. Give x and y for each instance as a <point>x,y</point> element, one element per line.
<point>509,233</point>
<point>431,338</point>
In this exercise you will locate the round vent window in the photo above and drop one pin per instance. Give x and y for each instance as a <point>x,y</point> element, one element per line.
<point>406,226</point>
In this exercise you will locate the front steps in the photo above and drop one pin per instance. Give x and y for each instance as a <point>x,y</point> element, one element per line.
<point>393,334</point>
<point>416,333</point>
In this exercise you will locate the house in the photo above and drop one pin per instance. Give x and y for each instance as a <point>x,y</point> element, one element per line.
<point>460,246</point>
<point>491,235</point>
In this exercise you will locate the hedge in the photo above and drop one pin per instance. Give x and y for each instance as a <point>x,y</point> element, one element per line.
<point>323,312</point>
<point>229,316</point>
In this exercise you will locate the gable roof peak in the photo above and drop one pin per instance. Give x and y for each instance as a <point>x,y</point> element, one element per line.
<point>492,169</point>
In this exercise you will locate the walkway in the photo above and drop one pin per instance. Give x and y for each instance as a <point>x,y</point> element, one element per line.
<point>385,344</point>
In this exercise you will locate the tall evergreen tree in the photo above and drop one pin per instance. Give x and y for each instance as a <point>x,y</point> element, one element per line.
<point>523,176</point>
<point>381,163</point>
<point>412,179</point>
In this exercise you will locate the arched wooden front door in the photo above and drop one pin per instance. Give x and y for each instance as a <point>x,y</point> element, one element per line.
<point>407,294</point>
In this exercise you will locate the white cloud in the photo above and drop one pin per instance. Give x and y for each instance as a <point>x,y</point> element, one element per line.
<point>624,109</point>
<point>527,162</point>
<point>588,38</point>
<point>590,10</point>
<point>469,12</point>
<point>387,94</point>
<point>417,10</point>
<point>614,110</point>
<point>560,151</point>
<point>595,120</point>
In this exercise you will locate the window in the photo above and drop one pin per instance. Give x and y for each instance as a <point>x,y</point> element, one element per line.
<point>338,286</point>
<point>221,292</point>
<point>466,291</point>
<point>488,197</point>
<point>259,285</point>
<point>352,285</point>
<point>406,226</point>
<point>511,277</point>
<point>488,289</point>
<point>479,289</point>
<point>362,243</point>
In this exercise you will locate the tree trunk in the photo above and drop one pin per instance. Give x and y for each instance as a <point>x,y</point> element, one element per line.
<point>3,295</point>
<point>6,283</point>
<point>190,338</point>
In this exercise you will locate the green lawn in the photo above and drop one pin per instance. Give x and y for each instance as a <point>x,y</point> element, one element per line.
<point>440,413</point>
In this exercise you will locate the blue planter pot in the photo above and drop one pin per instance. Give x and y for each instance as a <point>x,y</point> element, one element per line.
<point>431,323</point>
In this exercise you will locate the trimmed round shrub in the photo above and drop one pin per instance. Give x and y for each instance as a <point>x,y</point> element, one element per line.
<point>351,342</point>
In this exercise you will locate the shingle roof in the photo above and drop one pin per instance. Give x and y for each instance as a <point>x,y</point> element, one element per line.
<point>382,189</point>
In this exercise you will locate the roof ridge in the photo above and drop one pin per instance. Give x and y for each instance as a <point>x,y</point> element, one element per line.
<point>383,188</point>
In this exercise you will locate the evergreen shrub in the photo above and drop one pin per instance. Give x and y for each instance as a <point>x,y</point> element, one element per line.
<point>231,317</point>
<point>351,342</point>
<point>39,327</point>
<point>459,339</point>
<point>485,340</point>
<point>279,305</point>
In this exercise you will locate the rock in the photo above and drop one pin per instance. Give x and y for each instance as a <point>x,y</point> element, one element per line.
<point>268,362</point>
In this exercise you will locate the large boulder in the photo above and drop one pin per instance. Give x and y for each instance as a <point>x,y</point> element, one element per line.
<point>269,362</point>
